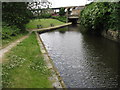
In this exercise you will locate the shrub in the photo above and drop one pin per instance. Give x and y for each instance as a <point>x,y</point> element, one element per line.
<point>62,12</point>
<point>45,15</point>
<point>16,13</point>
<point>99,16</point>
<point>9,31</point>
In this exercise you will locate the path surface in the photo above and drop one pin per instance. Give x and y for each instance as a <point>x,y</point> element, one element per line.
<point>6,49</point>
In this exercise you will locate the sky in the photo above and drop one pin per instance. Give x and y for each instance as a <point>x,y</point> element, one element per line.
<point>62,3</point>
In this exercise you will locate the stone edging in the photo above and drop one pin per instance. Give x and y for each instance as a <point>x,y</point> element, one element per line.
<point>56,78</point>
<point>50,28</point>
<point>112,35</point>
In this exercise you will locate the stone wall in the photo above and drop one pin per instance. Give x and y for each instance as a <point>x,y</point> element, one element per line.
<point>112,35</point>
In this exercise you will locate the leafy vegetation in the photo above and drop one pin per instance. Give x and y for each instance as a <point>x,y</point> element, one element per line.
<point>99,16</point>
<point>9,31</point>
<point>24,66</point>
<point>40,9</point>
<point>62,12</point>
<point>14,17</point>
<point>43,22</point>
<point>45,15</point>
<point>16,13</point>
<point>10,34</point>
<point>60,18</point>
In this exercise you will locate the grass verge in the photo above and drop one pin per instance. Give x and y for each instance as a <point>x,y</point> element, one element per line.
<point>43,22</point>
<point>25,67</point>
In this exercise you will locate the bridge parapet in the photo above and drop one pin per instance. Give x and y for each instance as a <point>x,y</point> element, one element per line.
<point>73,16</point>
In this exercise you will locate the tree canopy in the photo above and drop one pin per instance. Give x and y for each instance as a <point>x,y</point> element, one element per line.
<point>99,16</point>
<point>62,12</point>
<point>16,13</point>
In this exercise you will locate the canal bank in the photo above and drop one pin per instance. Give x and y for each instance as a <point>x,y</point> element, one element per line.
<point>55,78</point>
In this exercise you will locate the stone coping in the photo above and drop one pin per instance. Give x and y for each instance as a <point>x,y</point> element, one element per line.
<point>50,28</point>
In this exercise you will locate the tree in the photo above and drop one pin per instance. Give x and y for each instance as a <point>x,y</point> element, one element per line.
<point>62,12</point>
<point>39,8</point>
<point>16,13</point>
<point>99,16</point>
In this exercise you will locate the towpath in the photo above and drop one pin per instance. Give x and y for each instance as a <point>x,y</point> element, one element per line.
<point>6,49</point>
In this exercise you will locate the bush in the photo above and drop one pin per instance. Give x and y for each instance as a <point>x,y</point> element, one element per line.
<point>16,13</point>
<point>99,16</point>
<point>9,31</point>
<point>62,12</point>
<point>45,15</point>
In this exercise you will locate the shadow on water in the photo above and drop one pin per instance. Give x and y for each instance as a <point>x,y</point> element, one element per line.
<point>73,27</point>
<point>63,30</point>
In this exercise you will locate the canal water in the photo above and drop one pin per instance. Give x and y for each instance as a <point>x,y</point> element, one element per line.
<point>84,61</point>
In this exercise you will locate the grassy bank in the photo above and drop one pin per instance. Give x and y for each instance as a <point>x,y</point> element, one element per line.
<point>43,22</point>
<point>25,67</point>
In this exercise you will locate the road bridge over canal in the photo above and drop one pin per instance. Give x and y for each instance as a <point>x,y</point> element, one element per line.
<point>72,18</point>
<point>72,12</point>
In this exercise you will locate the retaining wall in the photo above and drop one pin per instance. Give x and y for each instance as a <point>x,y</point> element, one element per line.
<point>112,35</point>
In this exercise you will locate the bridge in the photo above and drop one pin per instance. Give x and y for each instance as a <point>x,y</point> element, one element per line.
<point>73,18</point>
<point>72,12</point>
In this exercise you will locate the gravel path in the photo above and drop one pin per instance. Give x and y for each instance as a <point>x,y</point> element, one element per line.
<point>6,49</point>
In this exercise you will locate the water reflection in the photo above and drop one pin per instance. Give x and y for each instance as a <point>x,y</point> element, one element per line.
<point>63,30</point>
<point>83,61</point>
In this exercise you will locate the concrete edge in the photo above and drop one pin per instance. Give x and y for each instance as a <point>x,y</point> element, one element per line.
<point>58,82</point>
<point>51,28</point>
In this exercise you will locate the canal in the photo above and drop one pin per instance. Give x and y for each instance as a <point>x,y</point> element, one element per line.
<point>84,61</point>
